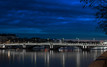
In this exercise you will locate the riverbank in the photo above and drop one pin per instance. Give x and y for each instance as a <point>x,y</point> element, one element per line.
<point>101,61</point>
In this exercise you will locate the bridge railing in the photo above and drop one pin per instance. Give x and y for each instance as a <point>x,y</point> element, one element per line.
<point>49,43</point>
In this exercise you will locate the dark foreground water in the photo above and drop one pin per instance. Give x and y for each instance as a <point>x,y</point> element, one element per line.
<point>26,58</point>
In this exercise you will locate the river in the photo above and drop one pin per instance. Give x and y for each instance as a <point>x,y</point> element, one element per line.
<point>29,58</point>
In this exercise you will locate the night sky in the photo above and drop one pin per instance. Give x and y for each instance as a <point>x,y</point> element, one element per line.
<point>49,19</point>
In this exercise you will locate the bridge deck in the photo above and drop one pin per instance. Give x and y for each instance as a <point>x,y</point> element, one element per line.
<point>62,44</point>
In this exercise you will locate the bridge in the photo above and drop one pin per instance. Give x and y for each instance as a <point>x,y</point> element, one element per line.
<point>83,46</point>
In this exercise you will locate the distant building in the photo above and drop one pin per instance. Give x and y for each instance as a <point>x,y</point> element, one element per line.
<point>6,37</point>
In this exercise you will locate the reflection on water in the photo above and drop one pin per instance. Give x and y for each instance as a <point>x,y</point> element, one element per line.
<point>26,58</point>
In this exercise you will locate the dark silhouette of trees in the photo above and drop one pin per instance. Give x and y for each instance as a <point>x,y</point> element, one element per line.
<point>101,14</point>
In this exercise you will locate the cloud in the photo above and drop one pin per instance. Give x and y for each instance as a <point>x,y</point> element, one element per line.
<point>23,30</point>
<point>46,16</point>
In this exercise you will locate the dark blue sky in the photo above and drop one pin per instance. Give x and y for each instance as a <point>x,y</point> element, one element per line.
<point>49,18</point>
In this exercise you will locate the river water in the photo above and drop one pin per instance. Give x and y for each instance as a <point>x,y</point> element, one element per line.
<point>29,58</point>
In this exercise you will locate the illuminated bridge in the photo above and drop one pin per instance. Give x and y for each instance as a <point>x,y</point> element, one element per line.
<point>83,46</point>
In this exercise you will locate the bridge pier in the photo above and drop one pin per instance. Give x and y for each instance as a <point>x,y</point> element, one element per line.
<point>4,46</point>
<point>51,46</point>
<point>85,48</point>
<point>23,46</point>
